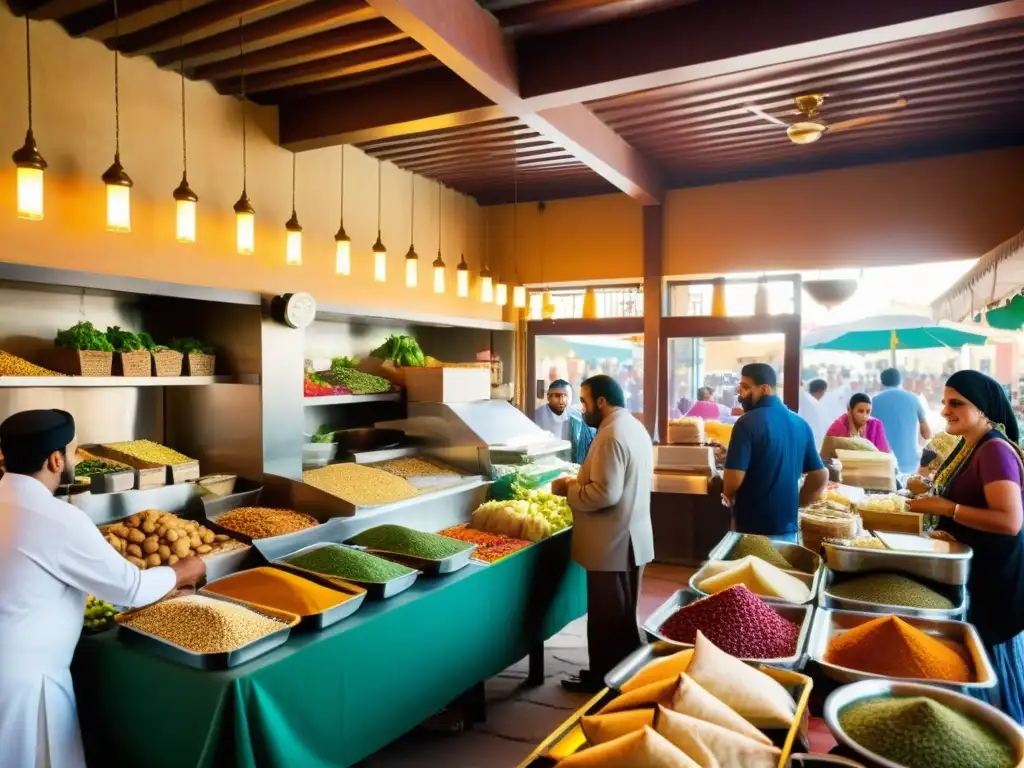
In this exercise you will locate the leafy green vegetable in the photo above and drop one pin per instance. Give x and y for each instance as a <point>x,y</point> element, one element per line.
<point>323,434</point>
<point>90,467</point>
<point>83,336</point>
<point>401,350</point>
<point>361,383</point>
<point>338,363</point>
<point>124,341</point>
<point>189,346</point>
<point>148,343</point>
<point>316,378</point>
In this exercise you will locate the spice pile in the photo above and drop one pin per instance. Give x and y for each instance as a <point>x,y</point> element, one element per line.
<point>891,647</point>
<point>264,522</point>
<point>152,538</point>
<point>351,564</point>
<point>490,547</point>
<point>12,365</point>
<point>759,577</point>
<point>358,382</point>
<point>890,589</point>
<point>359,485</point>
<point>738,622</point>
<point>147,450</point>
<point>202,624</point>
<point>918,732</point>
<point>759,546</point>
<point>412,466</point>
<point>400,540</point>
<point>279,589</point>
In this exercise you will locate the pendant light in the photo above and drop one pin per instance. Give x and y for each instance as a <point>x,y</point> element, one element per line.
<point>518,289</point>
<point>486,281</point>
<point>547,306</point>
<point>589,304</point>
<point>118,183</point>
<point>185,198</point>
<point>412,259</point>
<point>245,215</point>
<point>501,293</point>
<point>342,242</point>
<point>29,162</point>
<point>380,253</point>
<point>439,262</point>
<point>462,271</point>
<point>293,231</point>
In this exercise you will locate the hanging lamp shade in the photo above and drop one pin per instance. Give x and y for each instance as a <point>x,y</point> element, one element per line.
<point>519,296</point>
<point>185,218</point>
<point>462,278</point>
<point>342,252</point>
<point>718,298</point>
<point>439,274</point>
<point>380,260</point>
<point>119,197</point>
<point>501,293</point>
<point>30,165</point>
<point>486,286</point>
<point>412,268</point>
<point>547,306</point>
<point>293,241</point>
<point>245,226</point>
<point>830,293</point>
<point>589,304</point>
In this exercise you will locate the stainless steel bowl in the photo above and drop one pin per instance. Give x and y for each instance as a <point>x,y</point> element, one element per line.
<point>843,697</point>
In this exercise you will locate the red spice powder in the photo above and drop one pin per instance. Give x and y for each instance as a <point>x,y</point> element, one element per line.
<point>491,547</point>
<point>738,622</point>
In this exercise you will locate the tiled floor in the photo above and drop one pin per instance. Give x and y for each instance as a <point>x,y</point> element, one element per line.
<point>518,717</point>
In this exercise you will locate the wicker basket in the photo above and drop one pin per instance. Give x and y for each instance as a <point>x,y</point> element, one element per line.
<point>138,363</point>
<point>83,362</point>
<point>200,364</point>
<point>167,362</point>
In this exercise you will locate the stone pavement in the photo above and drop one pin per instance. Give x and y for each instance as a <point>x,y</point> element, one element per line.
<point>519,717</point>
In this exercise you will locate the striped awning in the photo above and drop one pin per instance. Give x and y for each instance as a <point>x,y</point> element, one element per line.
<point>996,276</point>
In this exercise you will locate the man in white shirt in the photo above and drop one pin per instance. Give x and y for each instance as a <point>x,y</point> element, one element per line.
<point>554,416</point>
<point>811,410</point>
<point>51,557</point>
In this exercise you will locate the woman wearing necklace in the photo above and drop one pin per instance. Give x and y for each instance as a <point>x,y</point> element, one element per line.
<point>978,499</point>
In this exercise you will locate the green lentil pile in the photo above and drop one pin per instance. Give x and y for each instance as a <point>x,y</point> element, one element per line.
<point>890,589</point>
<point>345,563</point>
<point>359,382</point>
<point>762,547</point>
<point>918,732</point>
<point>406,541</point>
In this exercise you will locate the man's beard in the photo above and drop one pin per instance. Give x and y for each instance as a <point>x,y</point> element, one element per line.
<point>67,479</point>
<point>592,418</point>
<point>747,403</point>
<point>558,410</point>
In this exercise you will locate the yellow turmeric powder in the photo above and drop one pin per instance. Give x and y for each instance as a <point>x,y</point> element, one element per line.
<point>279,589</point>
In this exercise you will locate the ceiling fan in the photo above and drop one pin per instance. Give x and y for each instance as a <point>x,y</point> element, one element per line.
<point>810,128</point>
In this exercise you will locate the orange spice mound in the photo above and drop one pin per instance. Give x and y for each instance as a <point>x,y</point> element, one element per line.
<point>890,646</point>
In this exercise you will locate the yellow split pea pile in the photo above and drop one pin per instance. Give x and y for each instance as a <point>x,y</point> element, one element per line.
<point>153,538</point>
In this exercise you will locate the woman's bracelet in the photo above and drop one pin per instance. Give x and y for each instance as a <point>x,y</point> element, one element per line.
<point>956,508</point>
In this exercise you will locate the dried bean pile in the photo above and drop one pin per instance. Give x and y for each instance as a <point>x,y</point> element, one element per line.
<point>201,624</point>
<point>762,547</point>
<point>360,485</point>
<point>264,522</point>
<point>890,589</point>
<point>405,541</point>
<point>738,622</point>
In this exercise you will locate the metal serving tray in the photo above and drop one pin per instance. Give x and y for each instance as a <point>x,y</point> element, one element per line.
<point>427,566</point>
<point>798,614</point>
<point>802,559</point>
<point>843,697</point>
<point>323,619</point>
<point>568,738</point>
<point>952,567</point>
<point>225,660</point>
<point>812,580</point>
<point>376,590</point>
<point>828,625</point>
<point>956,594</point>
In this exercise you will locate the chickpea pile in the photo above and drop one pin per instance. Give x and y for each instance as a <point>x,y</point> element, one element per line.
<point>153,538</point>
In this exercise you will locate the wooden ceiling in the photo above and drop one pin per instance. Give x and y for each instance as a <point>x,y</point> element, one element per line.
<point>591,96</point>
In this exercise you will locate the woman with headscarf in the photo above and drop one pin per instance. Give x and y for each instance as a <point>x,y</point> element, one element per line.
<point>979,501</point>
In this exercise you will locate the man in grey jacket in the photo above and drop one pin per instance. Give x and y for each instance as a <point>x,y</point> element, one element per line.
<point>611,537</point>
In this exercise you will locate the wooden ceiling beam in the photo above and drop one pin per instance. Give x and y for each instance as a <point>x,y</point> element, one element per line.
<point>315,16</point>
<point>220,16</point>
<point>554,14</point>
<point>97,16</point>
<point>425,101</point>
<point>444,136</point>
<point>49,9</point>
<point>701,40</point>
<point>469,41</point>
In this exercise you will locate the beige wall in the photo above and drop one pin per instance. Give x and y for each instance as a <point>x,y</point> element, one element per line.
<point>74,125</point>
<point>952,207</point>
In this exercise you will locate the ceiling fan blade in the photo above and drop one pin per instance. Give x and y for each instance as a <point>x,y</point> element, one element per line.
<point>762,114</point>
<point>858,122</point>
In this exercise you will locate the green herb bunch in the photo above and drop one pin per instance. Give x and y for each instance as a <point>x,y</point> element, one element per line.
<point>191,346</point>
<point>401,350</point>
<point>83,336</point>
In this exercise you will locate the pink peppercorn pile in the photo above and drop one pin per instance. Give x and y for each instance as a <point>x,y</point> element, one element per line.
<point>738,622</point>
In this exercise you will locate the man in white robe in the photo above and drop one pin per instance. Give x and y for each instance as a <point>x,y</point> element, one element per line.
<point>51,557</point>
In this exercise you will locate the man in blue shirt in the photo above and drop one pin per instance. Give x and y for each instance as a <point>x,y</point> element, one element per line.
<point>770,449</point>
<point>904,418</point>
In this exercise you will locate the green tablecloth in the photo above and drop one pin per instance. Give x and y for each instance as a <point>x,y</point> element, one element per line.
<point>334,697</point>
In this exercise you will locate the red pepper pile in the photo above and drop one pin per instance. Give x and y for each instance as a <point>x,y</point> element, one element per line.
<point>491,547</point>
<point>738,622</point>
<point>316,387</point>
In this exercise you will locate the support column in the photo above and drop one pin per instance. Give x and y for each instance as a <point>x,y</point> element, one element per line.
<point>653,300</point>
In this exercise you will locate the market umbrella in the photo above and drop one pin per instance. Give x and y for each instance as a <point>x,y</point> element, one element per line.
<point>892,332</point>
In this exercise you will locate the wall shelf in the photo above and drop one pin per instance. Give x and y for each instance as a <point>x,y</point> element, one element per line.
<point>62,382</point>
<point>387,397</point>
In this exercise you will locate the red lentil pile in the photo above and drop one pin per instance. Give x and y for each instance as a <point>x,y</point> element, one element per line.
<point>491,547</point>
<point>738,622</point>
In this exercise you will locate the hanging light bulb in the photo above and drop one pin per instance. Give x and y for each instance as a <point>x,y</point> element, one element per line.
<point>547,306</point>
<point>519,296</point>
<point>462,271</point>
<point>486,286</point>
<point>185,199</point>
<point>118,183</point>
<point>293,231</point>
<point>438,262</point>
<point>342,242</point>
<point>501,293</point>
<point>412,260</point>
<point>29,162</point>
<point>380,253</point>
<point>245,216</point>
